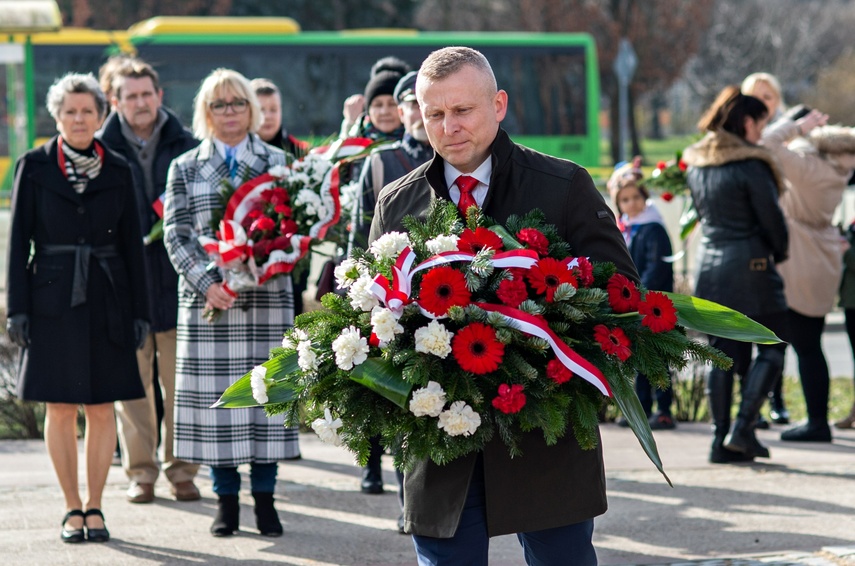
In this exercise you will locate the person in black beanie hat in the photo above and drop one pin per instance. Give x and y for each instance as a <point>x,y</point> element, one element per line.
<point>385,74</point>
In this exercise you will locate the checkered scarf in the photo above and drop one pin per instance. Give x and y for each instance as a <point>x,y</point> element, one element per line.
<point>80,168</point>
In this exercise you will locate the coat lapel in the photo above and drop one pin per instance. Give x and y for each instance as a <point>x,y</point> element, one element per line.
<point>212,166</point>
<point>51,176</point>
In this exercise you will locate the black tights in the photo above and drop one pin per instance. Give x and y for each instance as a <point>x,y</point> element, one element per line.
<point>850,330</point>
<point>806,339</point>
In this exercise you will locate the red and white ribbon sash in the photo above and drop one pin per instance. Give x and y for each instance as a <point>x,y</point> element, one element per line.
<point>233,247</point>
<point>534,326</point>
<point>397,294</point>
<point>281,261</point>
<point>247,196</point>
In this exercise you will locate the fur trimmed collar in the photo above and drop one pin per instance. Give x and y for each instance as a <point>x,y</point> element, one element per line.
<point>718,148</point>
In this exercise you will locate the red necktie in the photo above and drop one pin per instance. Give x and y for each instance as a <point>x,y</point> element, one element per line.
<point>466,185</point>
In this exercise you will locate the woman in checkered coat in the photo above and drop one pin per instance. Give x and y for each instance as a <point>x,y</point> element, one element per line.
<point>211,356</point>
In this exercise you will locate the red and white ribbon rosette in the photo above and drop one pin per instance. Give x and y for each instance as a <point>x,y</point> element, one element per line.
<point>232,249</point>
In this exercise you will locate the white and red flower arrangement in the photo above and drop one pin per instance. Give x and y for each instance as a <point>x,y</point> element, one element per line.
<point>449,335</point>
<point>668,179</point>
<point>269,223</point>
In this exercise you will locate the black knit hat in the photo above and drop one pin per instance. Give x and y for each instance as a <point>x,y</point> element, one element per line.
<point>382,83</point>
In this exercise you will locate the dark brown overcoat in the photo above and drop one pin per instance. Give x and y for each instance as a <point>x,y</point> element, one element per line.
<point>549,486</point>
<point>83,353</point>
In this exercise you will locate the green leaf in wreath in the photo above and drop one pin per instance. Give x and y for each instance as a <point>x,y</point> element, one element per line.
<point>239,393</point>
<point>688,220</point>
<point>718,320</point>
<point>384,379</point>
<point>510,242</point>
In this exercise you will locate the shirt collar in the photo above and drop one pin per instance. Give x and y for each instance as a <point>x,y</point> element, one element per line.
<point>221,147</point>
<point>482,173</point>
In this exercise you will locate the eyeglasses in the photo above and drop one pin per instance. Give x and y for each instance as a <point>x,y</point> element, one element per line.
<point>239,105</point>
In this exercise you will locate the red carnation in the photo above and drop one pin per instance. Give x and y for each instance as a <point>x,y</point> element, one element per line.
<point>682,165</point>
<point>547,274</point>
<point>558,372</point>
<point>476,349</point>
<point>262,249</point>
<point>658,312</point>
<point>282,209</point>
<point>262,224</point>
<point>584,271</point>
<point>613,341</point>
<point>511,398</point>
<point>534,239</point>
<point>275,196</point>
<point>253,213</point>
<point>288,227</point>
<point>442,288</point>
<point>481,238</point>
<point>661,165</point>
<point>667,196</point>
<point>512,292</point>
<point>281,243</point>
<point>623,295</point>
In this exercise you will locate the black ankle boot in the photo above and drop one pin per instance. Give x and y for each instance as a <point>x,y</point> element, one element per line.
<point>760,379</point>
<point>266,517</point>
<point>227,521</point>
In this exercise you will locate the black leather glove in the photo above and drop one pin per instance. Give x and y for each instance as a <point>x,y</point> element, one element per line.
<point>140,332</point>
<point>18,329</point>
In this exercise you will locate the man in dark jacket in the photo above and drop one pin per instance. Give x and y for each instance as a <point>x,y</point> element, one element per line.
<point>149,136</point>
<point>550,495</point>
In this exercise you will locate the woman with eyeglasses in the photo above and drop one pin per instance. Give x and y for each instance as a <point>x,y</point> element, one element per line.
<point>210,356</point>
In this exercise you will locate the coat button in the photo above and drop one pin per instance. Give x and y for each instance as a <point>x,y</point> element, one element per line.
<point>81,209</point>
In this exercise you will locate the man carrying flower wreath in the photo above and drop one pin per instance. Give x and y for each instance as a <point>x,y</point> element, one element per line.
<point>550,494</point>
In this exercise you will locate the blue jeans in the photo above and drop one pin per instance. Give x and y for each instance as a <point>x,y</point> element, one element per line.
<point>569,545</point>
<point>262,479</point>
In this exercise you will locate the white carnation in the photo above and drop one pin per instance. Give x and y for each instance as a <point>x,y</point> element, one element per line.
<point>385,324</point>
<point>278,171</point>
<point>388,246</point>
<point>291,340</point>
<point>428,400</point>
<point>360,294</point>
<point>459,419</point>
<point>351,349</point>
<point>434,339</point>
<point>442,243</point>
<point>258,382</point>
<point>327,428</point>
<point>298,178</point>
<point>347,272</point>
<point>307,359</point>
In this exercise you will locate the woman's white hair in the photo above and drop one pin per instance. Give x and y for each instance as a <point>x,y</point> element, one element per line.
<point>76,83</point>
<point>216,85</point>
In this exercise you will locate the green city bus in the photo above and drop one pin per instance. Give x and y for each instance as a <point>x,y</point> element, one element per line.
<point>552,78</point>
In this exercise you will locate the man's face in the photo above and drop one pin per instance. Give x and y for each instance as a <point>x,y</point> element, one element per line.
<point>138,101</point>
<point>411,117</point>
<point>462,116</point>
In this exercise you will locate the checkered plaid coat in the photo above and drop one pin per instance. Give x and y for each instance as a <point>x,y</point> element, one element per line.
<point>210,357</point>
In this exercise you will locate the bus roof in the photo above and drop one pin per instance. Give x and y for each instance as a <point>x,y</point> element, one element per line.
<point>208,25</point>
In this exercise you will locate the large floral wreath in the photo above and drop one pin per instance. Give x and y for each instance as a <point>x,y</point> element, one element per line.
<point>450,335</point>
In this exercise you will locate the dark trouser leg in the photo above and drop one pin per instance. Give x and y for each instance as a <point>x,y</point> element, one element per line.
<point>665,397</point>
<point>643,390</point>
<point>372,473</point>
<point>551,547</point>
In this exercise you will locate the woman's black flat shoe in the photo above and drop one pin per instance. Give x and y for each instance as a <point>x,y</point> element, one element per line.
<point>96,535</point>
<point>72,535</point>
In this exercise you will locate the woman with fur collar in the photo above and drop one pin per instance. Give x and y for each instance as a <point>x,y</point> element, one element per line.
<point>735,186</point>
<point>817,163</point>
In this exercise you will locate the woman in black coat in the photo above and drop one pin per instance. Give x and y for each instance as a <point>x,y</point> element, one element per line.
<point>735,186</point>
<point>77,305</point>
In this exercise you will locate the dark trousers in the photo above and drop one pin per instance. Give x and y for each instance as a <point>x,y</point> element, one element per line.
<point>644,390</point>
<point>569,545</point>
<point>806,338</point>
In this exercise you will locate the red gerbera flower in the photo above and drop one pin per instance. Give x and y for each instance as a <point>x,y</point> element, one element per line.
<point>534,239</point>
<point>547,274</point>
<point>623,295</point>
<point>658,312</point>
<point>667,196</point>
<point>511,398</point>
<point>512,292</point>
<point>584,271</point>
<point>613,341</point>
<point>442,288</point>
<point>476,349</point>
<point>481,238</point>
<point>558,372</point>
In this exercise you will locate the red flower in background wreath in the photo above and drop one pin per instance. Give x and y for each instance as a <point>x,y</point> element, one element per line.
<point>476,241</point>
<point>623,294</point>
<point>512,292</point>
<point>262,224</point>
<point>534,239</point>
<point>547,274</point>
<point>613,341</point>
<point>558,372</point>
<point>275,196</point>
<point>476,349</point>
<point>288,227</point>
<point>658,312</point>
<point>511,398</point>
<point>667,196</point>
<point>442,288</point>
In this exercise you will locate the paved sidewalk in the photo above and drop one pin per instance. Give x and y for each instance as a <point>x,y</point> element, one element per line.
<point>797,508</point>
